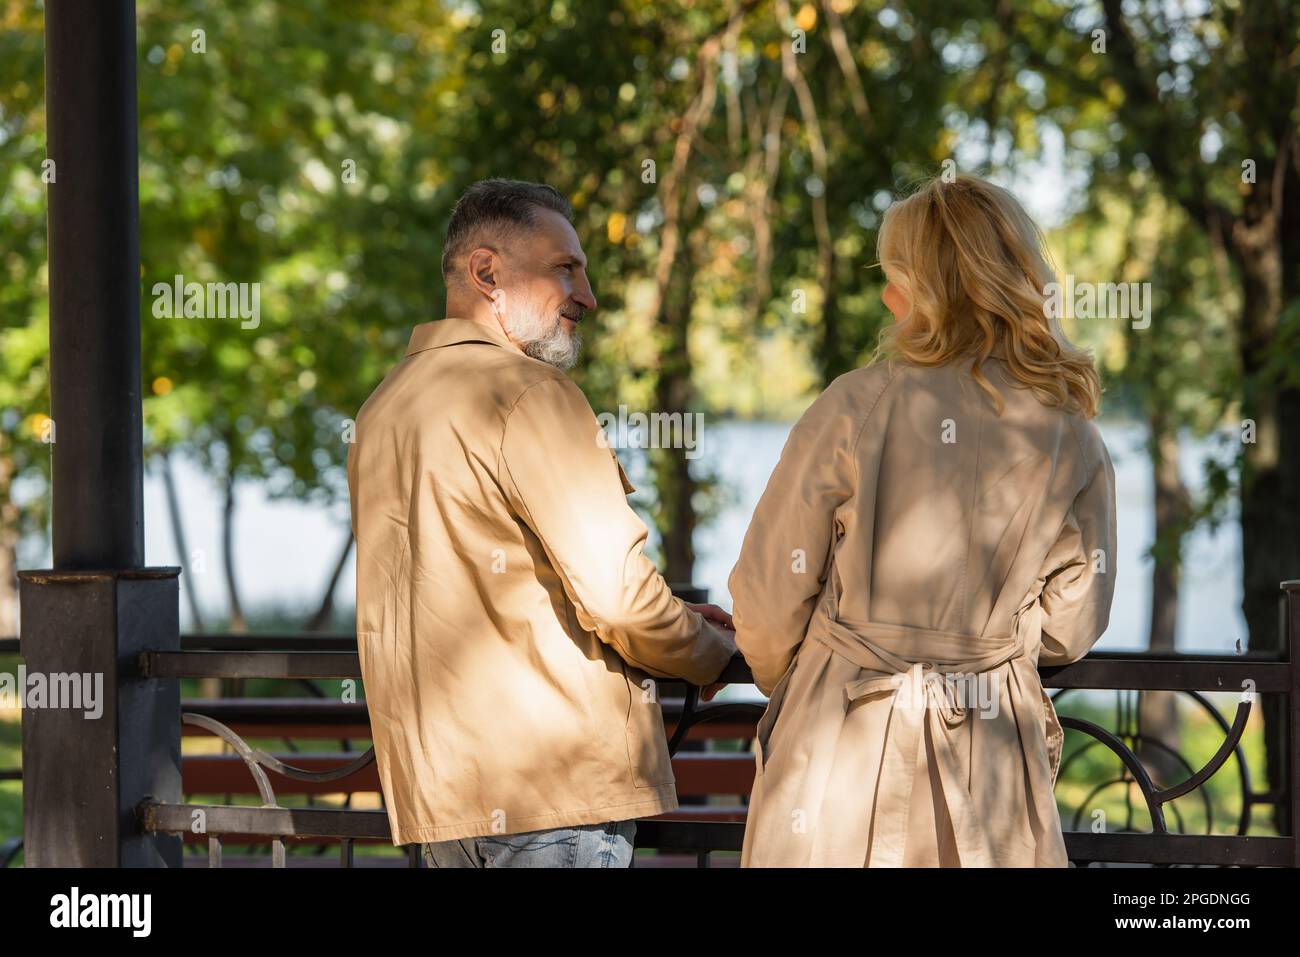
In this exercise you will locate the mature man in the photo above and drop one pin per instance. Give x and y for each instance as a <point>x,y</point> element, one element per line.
<point>507,619</point>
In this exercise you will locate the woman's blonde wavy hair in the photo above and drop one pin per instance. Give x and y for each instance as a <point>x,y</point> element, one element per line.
<point>975,268</point>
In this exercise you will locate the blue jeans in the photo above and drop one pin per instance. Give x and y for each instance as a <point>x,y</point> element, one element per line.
<point>587,845</point>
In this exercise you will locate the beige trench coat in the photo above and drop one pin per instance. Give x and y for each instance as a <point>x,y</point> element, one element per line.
<point>913,560</point>
<point>507,620</point>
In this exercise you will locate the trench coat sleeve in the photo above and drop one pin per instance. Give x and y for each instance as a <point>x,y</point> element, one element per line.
<point>787,550</point>
<point>564,482</point>
<point>1079,571</point>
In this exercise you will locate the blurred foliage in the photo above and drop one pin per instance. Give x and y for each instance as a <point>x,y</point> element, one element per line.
<point>316,148</point>
<point>738,278</point>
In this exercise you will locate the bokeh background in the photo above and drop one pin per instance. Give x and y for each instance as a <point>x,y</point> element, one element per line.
<point>729,163</point>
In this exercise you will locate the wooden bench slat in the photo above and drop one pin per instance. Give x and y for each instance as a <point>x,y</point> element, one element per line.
<point>327,718</point>
<point>698,773</point>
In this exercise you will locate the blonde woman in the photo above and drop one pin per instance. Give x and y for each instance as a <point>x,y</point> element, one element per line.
<point>941,522</point>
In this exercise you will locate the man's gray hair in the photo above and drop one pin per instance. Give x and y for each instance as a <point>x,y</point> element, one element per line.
<point>491,211</point>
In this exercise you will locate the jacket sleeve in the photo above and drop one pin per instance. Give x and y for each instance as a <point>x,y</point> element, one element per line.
<point>565,484</point>
<point>1079,572</point>
<point>787,550</point>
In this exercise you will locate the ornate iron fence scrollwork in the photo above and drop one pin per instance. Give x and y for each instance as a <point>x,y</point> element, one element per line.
<point>1191,675</point>
<point>255,759</point>
<point>1134,772</point>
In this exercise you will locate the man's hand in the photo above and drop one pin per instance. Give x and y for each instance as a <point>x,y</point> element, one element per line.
<point>714,614</point>
<point>721,620</point>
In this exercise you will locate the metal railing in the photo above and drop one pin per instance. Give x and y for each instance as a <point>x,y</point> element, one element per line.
<point>335,657</point>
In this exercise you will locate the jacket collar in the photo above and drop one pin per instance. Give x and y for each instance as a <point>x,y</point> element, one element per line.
<point>453,331</point>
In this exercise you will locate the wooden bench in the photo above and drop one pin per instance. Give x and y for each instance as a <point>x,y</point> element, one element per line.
<point>702,776</point>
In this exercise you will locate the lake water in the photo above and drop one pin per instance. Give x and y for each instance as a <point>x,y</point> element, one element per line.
<point>285,550</point>
<point>1210,618</point>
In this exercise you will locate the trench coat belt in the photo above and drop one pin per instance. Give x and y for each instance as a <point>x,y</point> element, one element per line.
<point>920,695</point>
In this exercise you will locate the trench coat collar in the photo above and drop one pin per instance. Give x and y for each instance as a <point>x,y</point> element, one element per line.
<point>453,331</point>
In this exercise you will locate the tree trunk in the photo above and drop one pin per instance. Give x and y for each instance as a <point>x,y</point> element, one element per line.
<point>208,687</point>
<point>325,610</point>
<point>675,515</point>
<point>8,582</point>
<point>234,687</point>
<point>9,526</point>
<point>1159,709</point>
<point>837,356</point>
<point>1263,241</point>
<point>178,534</point>
<point>1270,480</point>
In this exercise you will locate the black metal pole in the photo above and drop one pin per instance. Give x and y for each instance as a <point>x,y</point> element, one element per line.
<point>1292,634</point>
<point>109,744</point>
<point>94,250</point>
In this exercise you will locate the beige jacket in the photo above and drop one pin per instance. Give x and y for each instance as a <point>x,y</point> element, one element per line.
<point>913,560</point>
<point>507,620</point>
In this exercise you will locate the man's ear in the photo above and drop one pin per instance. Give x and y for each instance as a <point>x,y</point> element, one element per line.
<point>484,270</point>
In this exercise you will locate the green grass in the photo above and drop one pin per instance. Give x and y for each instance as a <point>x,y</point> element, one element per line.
<point>11,756</point>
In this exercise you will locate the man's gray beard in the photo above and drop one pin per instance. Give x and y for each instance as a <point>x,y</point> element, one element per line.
<point>557,348</point>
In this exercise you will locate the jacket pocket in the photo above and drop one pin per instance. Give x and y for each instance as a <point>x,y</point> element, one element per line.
<point>763,731</point>
<point>643,732</point>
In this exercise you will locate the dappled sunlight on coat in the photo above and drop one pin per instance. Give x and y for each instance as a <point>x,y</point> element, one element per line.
<point>914,559</point>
